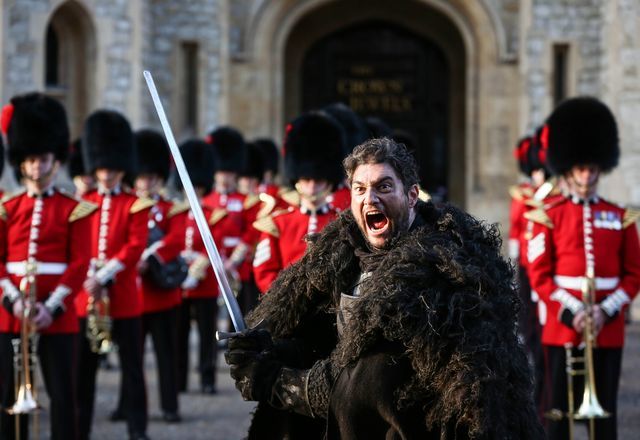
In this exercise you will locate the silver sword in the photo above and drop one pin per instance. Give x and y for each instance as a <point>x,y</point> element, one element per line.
<point>196,209</point>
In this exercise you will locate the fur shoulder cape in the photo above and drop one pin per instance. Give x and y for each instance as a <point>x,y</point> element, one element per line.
<point>442,291</point>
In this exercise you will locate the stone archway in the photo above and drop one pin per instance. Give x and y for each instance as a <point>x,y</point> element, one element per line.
<point>70,60</point>
<point>382,69</point>
<point>483,113</point>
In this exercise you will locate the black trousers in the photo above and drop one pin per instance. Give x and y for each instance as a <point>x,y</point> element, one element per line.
<point>205,313</point>
<point>127,334</point>
<point>56,354</point>
<point>606,364</point>
<point>164,334</point>
<point>531,332</point>
<point>248,296</point>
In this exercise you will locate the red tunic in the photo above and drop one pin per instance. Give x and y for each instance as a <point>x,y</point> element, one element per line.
<point>282,241</point>
<point>569,237</point>
<point>519,195</point>
<point>126,238</point>
<point>58,246</point>
<point>228,217</point>
<point>524,198</point>
<point>254,207</point>
<point>340,199</point>
<point>168,248</point>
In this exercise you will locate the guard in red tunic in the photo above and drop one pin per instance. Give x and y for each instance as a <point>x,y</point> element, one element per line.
<point>120,233</point>
<point>531,194</point>
<point>200,288</point>
<point>161,270</point>
<point>43,235</point>
<point>579,237</point>
<point>314,147</point>
<point>227,202</point>
<point>256,205</point>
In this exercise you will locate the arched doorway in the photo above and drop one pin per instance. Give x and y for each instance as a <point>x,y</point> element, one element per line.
<point>381,69</point>
<point>405,62</point>
<point>70,58</point>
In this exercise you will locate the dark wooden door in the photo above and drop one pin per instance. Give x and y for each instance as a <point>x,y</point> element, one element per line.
<point>380,69</point>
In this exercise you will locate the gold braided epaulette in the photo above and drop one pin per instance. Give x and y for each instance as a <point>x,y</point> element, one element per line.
<point>13,195</point>
<point>631,215</point>
<point>268,203</point>
<point>178,208</point>
<point>533,203</point>
<point>6,198</point>
<point>519,192</point>
<point>539,216</point>
<point>217,215</point>
<point>250,201</point>
<point>267,225</point>
<point>141,203</point>
<point>82,210</point>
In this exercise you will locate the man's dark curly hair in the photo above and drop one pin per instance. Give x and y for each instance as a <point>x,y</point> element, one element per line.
<point>383,150</point>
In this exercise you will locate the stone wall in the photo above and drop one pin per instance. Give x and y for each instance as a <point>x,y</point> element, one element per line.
<point>577,23</point>
<point>117,52</point>
<point>171,24</point>
<point>19,47</point>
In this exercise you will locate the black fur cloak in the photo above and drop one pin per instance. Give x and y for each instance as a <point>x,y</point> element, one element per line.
<point>441,302</point>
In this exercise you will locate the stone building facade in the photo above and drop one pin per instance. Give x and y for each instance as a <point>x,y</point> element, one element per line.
<point>504,64</point>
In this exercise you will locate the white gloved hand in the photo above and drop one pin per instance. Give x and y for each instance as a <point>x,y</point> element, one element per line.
<point>190,283</point>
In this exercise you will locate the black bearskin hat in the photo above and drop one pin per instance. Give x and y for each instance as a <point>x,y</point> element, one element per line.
<point>108,142</point>
<point>35,124</point>
<point>270,154</point>
<point>356,131</point>
<point>314,148</point>
<point>254,163</point>
<point>200,161</point>
<point>581,131</point>
<point>378,128</point>
<point>76,164</point>
<point>153,153</point>
<point>229,147</point>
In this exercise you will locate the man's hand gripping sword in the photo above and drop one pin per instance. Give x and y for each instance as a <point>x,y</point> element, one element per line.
<point>196,209</point>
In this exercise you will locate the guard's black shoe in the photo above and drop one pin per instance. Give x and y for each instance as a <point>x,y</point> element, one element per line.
<point>117,416</point>
<point>171,417</point>
<point>138,436</point>
<point>209,389</point>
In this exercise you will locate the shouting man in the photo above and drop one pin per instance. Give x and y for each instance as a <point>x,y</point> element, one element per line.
<point>398,322</point>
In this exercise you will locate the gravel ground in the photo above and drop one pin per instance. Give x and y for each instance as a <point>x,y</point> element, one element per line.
<point>225,416</point>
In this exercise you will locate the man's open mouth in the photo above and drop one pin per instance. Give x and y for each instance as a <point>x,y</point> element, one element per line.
<point>376,221</point>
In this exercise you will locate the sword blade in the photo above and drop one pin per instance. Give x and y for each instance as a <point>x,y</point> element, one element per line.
<point>196,209</point>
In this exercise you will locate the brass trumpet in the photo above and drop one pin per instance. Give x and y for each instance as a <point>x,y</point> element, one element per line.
<point>25,357</point>
<point>590,408</point>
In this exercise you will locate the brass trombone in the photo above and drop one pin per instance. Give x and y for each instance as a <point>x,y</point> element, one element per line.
<point>25,357</point>
<point>590,408</point>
